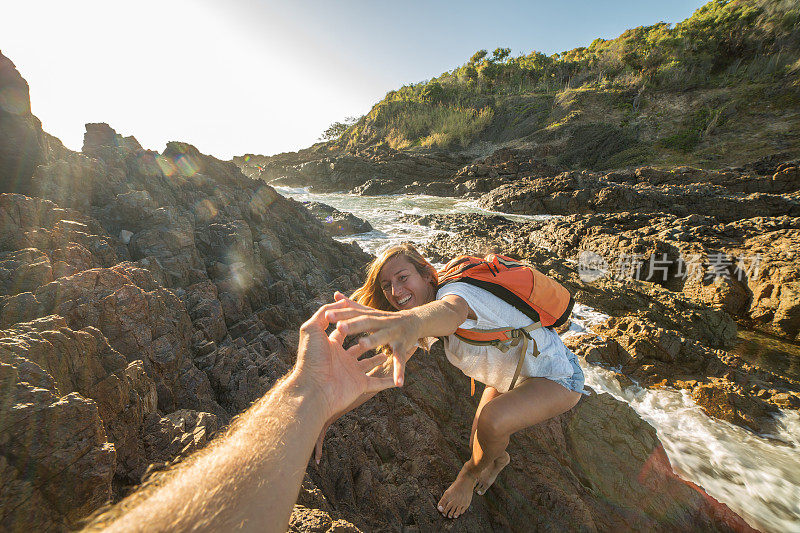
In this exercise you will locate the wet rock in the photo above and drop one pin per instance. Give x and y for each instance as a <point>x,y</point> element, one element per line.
<point>724,385</point>
<point>337,222</point>
<point>727,402</point>
<point>376,187</point>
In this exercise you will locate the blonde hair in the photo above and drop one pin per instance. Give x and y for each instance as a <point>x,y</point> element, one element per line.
<point>371,293</point>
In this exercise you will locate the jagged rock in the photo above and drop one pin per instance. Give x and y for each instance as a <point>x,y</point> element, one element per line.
<point>109,413</point>
<point>238,260</point>
<point>345,171</point>
<point>784,179</point>
<point>316,521</point>
<point>376,187</point>
<point>140,319</point>
<point>585,192</point>
<point>748,267</point>
<point>21,145</point>
<point>57,464</point>
<point>337,222</point>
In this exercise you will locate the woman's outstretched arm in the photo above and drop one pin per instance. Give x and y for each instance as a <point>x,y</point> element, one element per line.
<point>400,330</point>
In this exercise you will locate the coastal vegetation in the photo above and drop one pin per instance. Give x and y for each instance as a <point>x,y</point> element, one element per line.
<point>720,86</point>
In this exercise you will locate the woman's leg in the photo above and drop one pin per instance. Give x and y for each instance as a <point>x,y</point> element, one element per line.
<point>489,474</point>
<point>533,401</point>
<point>489,394</point>
<point>446,503</point>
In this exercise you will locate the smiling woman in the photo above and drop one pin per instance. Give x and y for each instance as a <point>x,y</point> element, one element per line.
<point>402,301</point>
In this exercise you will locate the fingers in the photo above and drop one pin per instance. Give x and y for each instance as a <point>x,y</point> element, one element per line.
<point>399,370</point>
<point>356,350</point>
<point>359,324</point>
<point>344,313</point>
<point>318,319</point>
<point>371,363</point>
<point>337,337</point>
<point>320,440</point>
<point>378,384</point>
<point>339,296</point>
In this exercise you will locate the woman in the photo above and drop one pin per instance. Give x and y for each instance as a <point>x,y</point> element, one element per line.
<point>399,304</point>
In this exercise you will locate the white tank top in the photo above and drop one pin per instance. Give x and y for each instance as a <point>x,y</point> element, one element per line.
<point>488,364</point>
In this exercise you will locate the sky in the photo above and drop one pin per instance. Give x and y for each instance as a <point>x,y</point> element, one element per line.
<point>257,76</point>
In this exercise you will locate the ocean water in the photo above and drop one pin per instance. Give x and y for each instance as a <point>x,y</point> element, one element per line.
<point>758,476</point>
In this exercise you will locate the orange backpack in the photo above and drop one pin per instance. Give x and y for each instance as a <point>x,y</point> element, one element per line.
<point>541,298</point>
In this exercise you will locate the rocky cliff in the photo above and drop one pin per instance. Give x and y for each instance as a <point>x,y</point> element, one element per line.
<point>145,298</point>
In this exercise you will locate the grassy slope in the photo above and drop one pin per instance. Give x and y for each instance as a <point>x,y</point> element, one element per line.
<point>720,88</point>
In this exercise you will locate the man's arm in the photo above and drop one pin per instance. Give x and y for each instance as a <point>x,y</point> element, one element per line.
<point>249,479</point>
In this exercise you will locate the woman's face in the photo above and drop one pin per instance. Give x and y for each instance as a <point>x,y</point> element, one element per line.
<point>403,286</point>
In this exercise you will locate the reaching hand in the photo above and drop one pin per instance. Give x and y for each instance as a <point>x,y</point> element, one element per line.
<point>398,330</point>
<point>379,368</point>
<point>326,367</point>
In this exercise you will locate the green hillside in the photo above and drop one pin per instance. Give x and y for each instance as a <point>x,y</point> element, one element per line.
<point>719,88</point>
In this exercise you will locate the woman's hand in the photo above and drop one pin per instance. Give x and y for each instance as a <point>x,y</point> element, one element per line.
<point>335,374</point>
<point>398,330</point>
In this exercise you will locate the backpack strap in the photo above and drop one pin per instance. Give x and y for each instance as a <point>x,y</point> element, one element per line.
<point>525,333</point>
<point>514,337</point>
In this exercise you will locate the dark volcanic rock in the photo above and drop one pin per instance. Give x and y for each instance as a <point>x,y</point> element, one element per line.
<point>584,192</point>
<point>337,222</point>
<point>347,171</point>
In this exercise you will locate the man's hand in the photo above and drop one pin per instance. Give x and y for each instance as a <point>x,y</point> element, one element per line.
<point>325,368</point>
<point>398,330</point>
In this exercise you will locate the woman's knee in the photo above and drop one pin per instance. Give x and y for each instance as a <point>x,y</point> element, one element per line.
<point>491,425</point>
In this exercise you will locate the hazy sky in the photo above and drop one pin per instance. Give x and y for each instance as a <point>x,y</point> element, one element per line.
<point>264,77</point>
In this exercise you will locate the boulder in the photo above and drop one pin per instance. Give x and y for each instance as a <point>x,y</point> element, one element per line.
<point>336,222</point>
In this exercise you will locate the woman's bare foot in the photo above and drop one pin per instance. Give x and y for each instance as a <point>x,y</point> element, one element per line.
<point>457,498</point>
<point>489,474</point>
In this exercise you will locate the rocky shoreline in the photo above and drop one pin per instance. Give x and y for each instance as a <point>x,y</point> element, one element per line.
<point>146,298</point>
